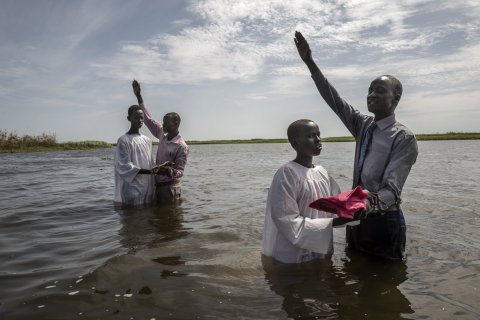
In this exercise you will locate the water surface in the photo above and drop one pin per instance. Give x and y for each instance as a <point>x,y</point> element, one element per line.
<point>67,252</point>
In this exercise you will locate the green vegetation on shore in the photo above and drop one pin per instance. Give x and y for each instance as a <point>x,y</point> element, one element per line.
<point>332,139</point>
<point>11,142</point>
<point>420,137</point>
<point>449,136</point>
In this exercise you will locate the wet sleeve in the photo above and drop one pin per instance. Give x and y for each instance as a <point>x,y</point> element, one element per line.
<point>302,232</point>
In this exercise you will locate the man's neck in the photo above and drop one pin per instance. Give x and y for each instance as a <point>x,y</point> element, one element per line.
<point>379,117</point>
<point>172,135</point>
<point>305,161</point>
<point>133,131</point>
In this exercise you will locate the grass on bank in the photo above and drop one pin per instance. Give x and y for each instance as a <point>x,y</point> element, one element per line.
<point>420,137</point>
<point>449,136</point>
<point>11,142</point>
<point>332,139</point>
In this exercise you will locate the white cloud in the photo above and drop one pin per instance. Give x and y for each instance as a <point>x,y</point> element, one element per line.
<point>240,40</point>
<point>235,41</point>
<point>241,50</point>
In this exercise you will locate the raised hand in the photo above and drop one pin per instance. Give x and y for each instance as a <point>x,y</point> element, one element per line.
<point>303,47</point>
<point>137,90</point>
<point>136,87</point>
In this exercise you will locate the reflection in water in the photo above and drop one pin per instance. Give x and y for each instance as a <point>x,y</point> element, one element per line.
<point>376,283</point>
<point>147,227</point>
<point>307,289</point>
<point>320,290</point>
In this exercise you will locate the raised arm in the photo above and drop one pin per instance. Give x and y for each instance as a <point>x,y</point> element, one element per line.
<point>350,117</point>
<point>155,127</point>
<point>305,52</point>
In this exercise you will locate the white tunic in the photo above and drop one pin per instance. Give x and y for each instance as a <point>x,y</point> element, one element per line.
<point>293,232</point>
<point>133,152</point>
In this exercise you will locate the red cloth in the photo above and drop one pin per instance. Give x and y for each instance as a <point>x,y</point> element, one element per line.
<point>344,204</point>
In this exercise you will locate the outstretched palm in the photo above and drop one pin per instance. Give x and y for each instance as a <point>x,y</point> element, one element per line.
<point>136,88</point>
<point>302,47</point>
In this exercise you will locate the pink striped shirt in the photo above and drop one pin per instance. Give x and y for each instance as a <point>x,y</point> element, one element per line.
<point>175,150</point>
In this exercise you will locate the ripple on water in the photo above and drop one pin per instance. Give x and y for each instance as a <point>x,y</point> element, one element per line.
<point>66,251</point>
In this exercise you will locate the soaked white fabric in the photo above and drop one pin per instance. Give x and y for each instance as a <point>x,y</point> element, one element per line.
<point>133,152</point>
<point>293,232</point>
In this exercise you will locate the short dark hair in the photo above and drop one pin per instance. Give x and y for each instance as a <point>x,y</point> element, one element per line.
<point>397,86</point>
<point>174,115</point>
<point>292,131</point>
<point>133,108</point>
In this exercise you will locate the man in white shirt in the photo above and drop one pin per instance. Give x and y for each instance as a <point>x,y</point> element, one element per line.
<point>133,162</point>
<point>293,232</point>
<point>385,151</point>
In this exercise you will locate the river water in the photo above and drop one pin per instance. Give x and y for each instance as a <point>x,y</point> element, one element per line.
<point>66,252</point>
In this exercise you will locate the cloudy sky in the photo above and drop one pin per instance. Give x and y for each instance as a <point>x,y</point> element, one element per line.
<point>230,67</point>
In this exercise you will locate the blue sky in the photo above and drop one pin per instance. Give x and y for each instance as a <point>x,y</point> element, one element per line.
<point>230,68</point>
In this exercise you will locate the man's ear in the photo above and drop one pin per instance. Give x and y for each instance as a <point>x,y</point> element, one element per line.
<point>396,100</point>
<point>128,118</point>
<point>294,144</point>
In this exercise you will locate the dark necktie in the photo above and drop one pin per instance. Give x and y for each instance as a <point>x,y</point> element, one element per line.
<point>363,150</point>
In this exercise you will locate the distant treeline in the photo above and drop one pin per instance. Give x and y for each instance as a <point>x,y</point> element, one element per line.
<point>12,142</point>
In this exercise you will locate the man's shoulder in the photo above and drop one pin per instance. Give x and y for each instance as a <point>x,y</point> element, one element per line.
<point>144,137</point>
<point>122,138</point>
<point>130,138</point>
<point>289,166</point>
<point>180,142</point>
<point>294,174</point>
<point>286,168</point>
<point>404,131</point>
<point>294,171</point>
<point>320,169</point>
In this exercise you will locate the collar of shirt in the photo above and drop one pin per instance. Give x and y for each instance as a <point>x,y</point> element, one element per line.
<point>386,122</point>
<point>175,139</point>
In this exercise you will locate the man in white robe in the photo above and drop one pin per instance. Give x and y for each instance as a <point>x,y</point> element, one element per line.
<point>294,232</point>
<point>134,183</point>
